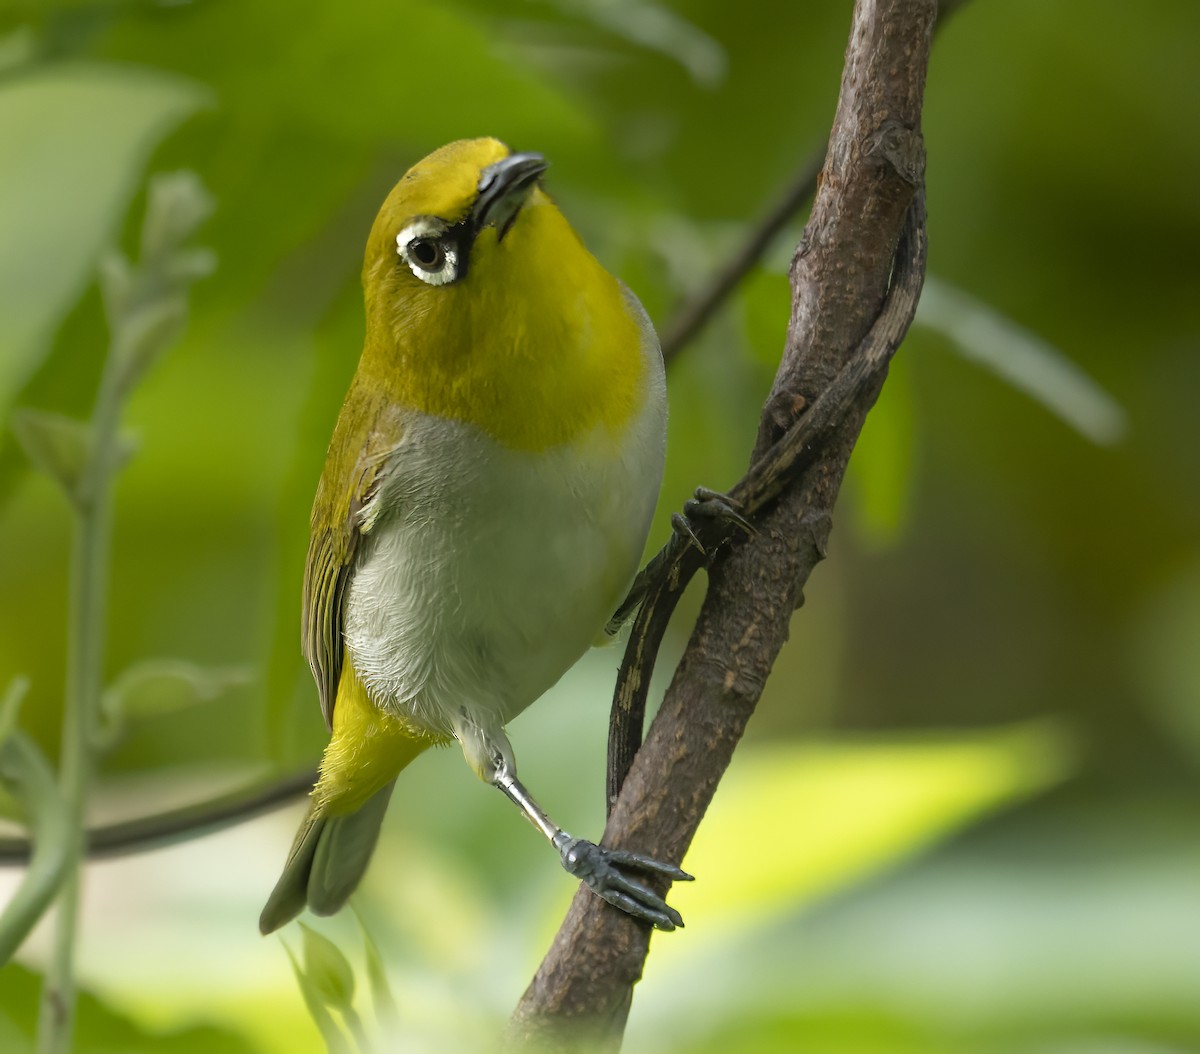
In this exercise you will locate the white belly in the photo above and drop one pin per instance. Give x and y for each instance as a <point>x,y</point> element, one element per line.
<point>487,572</point>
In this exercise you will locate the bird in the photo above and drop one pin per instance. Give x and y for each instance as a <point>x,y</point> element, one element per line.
<point>485,501</point>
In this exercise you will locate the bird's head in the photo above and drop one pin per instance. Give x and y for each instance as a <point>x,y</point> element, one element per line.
<point>483,304</point>
<point>455,213</point>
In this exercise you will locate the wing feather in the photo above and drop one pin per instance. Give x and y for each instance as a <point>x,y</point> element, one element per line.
<point>365,439</point>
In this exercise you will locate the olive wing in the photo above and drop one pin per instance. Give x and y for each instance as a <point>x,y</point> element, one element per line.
<point>360,454</point>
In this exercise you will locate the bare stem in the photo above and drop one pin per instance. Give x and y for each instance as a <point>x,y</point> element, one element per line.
<point>146,309</point>
<point>85,669</point>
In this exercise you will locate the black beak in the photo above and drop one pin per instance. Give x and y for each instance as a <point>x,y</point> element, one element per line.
<point>503,188</point>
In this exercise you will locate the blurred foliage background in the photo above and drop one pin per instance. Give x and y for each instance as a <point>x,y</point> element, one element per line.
<point>966,814</point>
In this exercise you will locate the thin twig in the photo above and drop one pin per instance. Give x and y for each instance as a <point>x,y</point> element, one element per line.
<point>85,661</point>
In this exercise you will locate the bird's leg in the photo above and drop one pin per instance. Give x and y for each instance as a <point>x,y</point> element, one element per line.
<point>604,871</point>
<point>709,520</point>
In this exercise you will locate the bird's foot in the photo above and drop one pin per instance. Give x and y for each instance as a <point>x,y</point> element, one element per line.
<point>604,873</point>
<point>709,520</point>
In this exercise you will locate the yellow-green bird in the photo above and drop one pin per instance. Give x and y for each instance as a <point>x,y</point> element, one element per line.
<point>484,504</point>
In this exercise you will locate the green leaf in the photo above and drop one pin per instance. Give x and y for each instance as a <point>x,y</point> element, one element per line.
<point>328,970</point>
<point>26,776</point>
<point>853,808</point>
<point>795,825</point>
<point>189,265</point>
<point>59,446</point>
<point>657,28</point>
<point>177,204</point>
<point>101,1029</point>
<point>1166,627</point>
<point>382,1000</point>
<point>1023,359</point>
<point>314,999</point>
<point>75,138</point>
<point>144,334</point>
<point>10,706</point>
<point>117,281</point>
<point>17,49</point>
<point>154,687</point>
<point>147,305</point>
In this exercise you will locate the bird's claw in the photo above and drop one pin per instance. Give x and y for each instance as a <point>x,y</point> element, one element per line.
<point>603,872</point>
<point>709,519</point>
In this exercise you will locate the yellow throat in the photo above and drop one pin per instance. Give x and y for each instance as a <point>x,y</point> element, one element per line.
<point>535,345</point>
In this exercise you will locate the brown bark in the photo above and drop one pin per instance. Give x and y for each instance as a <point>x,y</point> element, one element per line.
<point>855,279</point>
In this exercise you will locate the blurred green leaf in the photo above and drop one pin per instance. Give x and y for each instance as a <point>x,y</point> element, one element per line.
<point>189,265</point>
<point>1166,656</point>
<point>1023,359</point>
<point>177,204</point>
<point>58,445</point>
<point>17,49</point>
<point>855,1030</point>
<point>116,285</point>
<point>27,777</point>
<point>794,825</point>
<point>10,712</point>
<point>155,687</point>
<point>145,334</point>
<point>316,1002</point>
<point>328,970</point>
<point>383,1002</point>
<point>147,305</point>
<point>657,27</point>
<point>852,809</point>
<point>10,706</point>
<point>76,136</point>
<point>100,1028</point>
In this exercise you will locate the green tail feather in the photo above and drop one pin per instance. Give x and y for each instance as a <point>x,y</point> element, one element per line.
<point>328,860</point>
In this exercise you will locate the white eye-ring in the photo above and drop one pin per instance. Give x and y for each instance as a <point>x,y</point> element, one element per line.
<point>432,257</point>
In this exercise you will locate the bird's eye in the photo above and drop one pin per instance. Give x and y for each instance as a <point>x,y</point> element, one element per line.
<point>433,252</point>
<point>427,254</point>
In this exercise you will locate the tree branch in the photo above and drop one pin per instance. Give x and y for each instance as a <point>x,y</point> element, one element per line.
<point>855,278</point>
